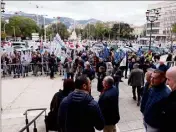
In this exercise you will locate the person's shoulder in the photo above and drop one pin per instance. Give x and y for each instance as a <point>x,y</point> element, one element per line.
<point>167,89</point>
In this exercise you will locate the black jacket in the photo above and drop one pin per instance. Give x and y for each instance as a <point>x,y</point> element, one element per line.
<point>109,105</point>
<point>168,113</point>
<point>79,112</point>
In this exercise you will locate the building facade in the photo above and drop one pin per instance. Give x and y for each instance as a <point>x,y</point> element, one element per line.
<point>161,29</point>
<point>138,31</point>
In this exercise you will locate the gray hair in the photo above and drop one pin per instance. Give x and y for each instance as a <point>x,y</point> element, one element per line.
<point>136,65</point>
<point>109,80</point>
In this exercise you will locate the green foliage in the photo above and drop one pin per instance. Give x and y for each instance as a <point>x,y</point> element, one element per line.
<point>174,28</point>
<point>60,28</point>
<point>23,26</point>
<point>3,35</point>
<point>103,32</point>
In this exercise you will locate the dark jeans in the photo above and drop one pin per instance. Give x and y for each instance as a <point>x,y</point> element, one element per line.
<point>51,71</point>
<point>70,74</point>
<point>124,68</point>
<point>138,91</point>
<point>16,70</point>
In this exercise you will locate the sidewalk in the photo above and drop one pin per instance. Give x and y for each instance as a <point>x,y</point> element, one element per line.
<point>37,92</point>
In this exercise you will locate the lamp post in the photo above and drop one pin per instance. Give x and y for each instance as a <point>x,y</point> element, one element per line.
<point>152,16</point>
<point>44,27</point>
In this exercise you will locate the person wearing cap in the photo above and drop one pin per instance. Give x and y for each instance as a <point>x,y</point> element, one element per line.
<point>156,94</point>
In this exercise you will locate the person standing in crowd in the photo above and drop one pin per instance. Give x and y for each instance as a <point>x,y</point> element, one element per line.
<point>51,120</point>
<point>133,61</point>
<point>157,92</point>
<point>116,76</point>
<point>169,59</point>
<point>101,75</point>
<point>162,66</point>
<point>136,80</point>
<point>109,104</point>
<point>123,65</point>
<point>167,106</point>
<point>88,71</point>
<point>16,65</point>
<point>69,69</point>
<point>101,63</point>
<point>52,62</point>
<point>146,88</point>
<point>79,112</point>
<point>109,68</point>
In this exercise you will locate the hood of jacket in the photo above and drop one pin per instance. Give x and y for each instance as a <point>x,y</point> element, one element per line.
<point>79,97</point>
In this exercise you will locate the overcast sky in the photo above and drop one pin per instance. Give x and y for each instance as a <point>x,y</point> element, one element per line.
<point>132,12</point>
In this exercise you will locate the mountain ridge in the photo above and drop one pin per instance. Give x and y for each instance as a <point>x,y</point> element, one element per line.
<point>69,22</point>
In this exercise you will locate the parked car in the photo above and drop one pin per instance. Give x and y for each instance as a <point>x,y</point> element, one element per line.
<point>165,50</point>
<point>153,49</point>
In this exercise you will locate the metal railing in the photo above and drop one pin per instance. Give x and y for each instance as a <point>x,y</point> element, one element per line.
<point>26,69</point>
<point>33,121</point>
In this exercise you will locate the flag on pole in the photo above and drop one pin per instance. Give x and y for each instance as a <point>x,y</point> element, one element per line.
<point>41,45</point>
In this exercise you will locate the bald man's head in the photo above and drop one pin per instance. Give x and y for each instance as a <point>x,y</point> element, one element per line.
<point>171,77</point>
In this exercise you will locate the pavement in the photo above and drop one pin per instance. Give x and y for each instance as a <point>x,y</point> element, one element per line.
<point>21,94</point>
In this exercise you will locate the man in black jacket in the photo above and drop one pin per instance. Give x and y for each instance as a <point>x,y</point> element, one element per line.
<point>79,112</point>
<point>109,104</point>
<point>168,105</point>
<point>51,65</point>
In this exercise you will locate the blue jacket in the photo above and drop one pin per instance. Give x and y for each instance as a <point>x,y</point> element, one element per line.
<point>109,105</point>
<point>79,112</point>
<point>163,68</point>
<point>155,95</point>
<point>144,97</point>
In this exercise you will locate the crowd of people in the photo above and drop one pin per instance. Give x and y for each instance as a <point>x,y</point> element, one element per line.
<point>73,109</point>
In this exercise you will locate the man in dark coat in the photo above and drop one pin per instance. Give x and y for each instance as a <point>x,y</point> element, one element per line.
<point>156,94</point>
<point>79,112</point>
<point>101,63</point>
<point>52,62</point>
<point>109,104</point>
<point>101,75</point>
<point>136,80</point>
<point>168,105</point>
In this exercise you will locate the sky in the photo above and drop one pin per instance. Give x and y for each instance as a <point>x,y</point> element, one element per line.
<point>132,12</point>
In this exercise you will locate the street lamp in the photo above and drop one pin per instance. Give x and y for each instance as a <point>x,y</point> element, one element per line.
<point>2,6</point>
<point>44,27</point>
<point>14,32</point>
<point>152,16</point>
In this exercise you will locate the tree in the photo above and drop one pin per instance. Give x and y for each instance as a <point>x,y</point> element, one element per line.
<point>59,28</point>
<point>23,26</point>
<point>174,28</point>
<point>122,30</point>
<point>3,35</point>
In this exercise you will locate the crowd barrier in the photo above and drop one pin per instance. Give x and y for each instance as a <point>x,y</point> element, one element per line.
<point>31,69</point>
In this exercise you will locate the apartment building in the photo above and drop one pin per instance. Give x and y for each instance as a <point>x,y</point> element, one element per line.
<point>161,29</point>
<point>138,31</point>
